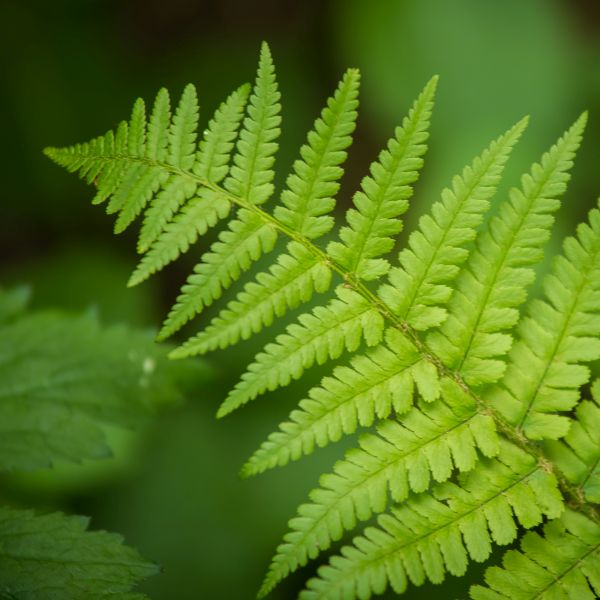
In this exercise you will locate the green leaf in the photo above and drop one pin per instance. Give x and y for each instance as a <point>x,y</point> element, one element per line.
<point>493,285</point>
<point>419,288</point>
<point>311,188</point>
<point>317,337</point>
<point>373,385</point>
<point>251,174</point>
<point>212,162</point>
<point>287,283</point>
<point>577,455</point>
<point>246,238</point>
<point>181,154</point>
<point>435,533</point>
<point>384,195</point>
<point>400,458</point>
<point>557,335</point>
<point>54,557</point>
<point>563,563</point>
<point>63,377</point>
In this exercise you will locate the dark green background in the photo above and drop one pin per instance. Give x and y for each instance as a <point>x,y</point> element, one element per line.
<point>70,69</point>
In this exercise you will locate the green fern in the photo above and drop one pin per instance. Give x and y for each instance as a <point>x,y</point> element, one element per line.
<point>467,399</point>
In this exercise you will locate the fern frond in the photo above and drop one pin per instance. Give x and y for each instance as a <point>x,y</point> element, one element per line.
<point>306,201</point>
<point>335,411</point>
<point>208,206</point>
<point>493,284</point>
<point>126,137</point>
<point>145,177</point>
<point>287,283</point>
<point>418,289</point>
<point>577,455</point>
<point>251,174</point>
<point>452,426</point>
<point>375,385</point>
<point>456,411</point>
<point>162,163</point>
<point>399,459</point>
<point>437,533</point>
<point>181,153</point>
<point>318,336</point>
<point>384,195</point>
<point>562,563</point>
<point>270,371</point>
<point>312,187</point>
<point>245,240</point>
<point>545,371</point>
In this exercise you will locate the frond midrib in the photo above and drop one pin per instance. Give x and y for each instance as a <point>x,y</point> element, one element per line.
<point>590,470</point>
<point>350,279</point>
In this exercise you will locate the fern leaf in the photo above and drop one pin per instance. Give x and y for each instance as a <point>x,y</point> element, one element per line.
<point>287,283</point>
<point>54,556</point>
<point>157,136</point>
<point>398,459</point>
<point>147,180</point>
<point>251,174</point>
<point>312,186</point>
<point>130,180</point>
<point>212,161</point>
<point>132,199</point>
<point>375,385</point>
<point>136,140</point>
<point>318,336</point>
<point>176,190</point>
<point>109,178</point>
<point>545,371</point>
<point>135,144</point>
<point>563,563</point>
<point>172,236</point>
<point>250,177</point>
<point>418,288</point>
<point>195,218</point>
<point>246,238</point>
<point>384,195</point>
<point>494,283</point>
<point>438,533</point>
<point>309,195</point>
<point>450,466</point>
<point>578,454</point>
<point>181,154</point>
<point>449,431</point>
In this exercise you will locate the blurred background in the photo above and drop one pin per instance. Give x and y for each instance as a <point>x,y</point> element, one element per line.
<point>71,69</point>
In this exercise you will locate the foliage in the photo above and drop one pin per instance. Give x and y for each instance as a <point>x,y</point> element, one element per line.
<point>469,400</point>
<point>63,379</point>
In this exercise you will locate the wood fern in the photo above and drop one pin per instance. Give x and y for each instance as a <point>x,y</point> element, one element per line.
<point>468,385</point>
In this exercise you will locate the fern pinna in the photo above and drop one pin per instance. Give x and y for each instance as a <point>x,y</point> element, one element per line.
<point>470,391</point>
